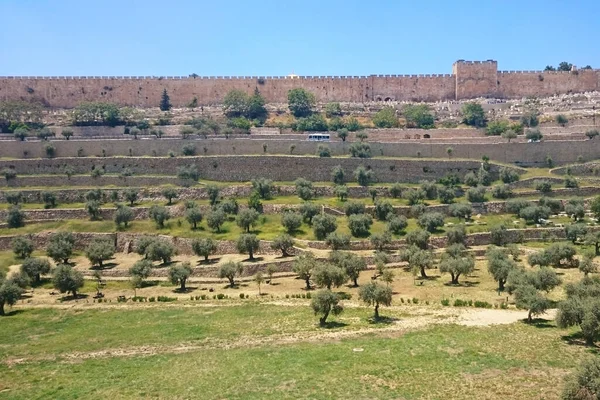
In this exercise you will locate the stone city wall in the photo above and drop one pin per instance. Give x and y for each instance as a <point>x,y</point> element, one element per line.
<point>468,80</point>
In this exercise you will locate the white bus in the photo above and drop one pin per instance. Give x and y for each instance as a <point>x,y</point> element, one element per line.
<point>319,137</point>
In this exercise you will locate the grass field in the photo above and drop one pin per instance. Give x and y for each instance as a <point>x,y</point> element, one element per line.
<point>272,351</point>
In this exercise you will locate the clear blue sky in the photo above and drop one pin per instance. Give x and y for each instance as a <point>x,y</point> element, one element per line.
<point>309,37</point>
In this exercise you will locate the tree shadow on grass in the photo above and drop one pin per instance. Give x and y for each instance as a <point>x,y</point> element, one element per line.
<point>577,339</point>
<point>381,320</point>
<point>542,323</point>
<point>187,289</point>
<point>255,259</point>
<point>462,284</point>
<point>333,325</point>
<point>209,262</point>
<point>105,266</point>
<point>12,313</point>
<point>149,283</point>
<point>71,297</point>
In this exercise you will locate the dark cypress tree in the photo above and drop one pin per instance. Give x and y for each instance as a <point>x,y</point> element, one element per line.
<point>165,102</point>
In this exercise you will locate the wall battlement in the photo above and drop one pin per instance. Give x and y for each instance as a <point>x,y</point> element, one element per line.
<point>469,79</point>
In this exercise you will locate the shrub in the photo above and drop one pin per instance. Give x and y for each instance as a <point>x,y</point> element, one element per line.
<point>360,224</point>
<point>188,150</point>
<point>431,221</point>
<point>337,241</point>
<point>15,217</point>
<point>312,123</point>
<point>476,195</point>
<point>534,135</point>
<point>397,224</point>
<point>543,186</point>
<point>497,128</point>
<point>418,116</point>
<point>386,118</point>
<point>304,189</point>
<point>291,221</point>
<point>354,207</point>
<point>383,209</point>
<point>22,247</point>
<point>363,175</point>
<point>301,102</point>
<point>360,150</point>
<point>508,175</point>
<point>323,225</point>
<point>323,151</point>
<point>473,114</point>
<point>502,192</point>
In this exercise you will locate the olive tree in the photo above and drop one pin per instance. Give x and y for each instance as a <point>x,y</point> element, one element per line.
<point>582,308</point>
<point>291,221</point>
<point>204,247</point>
<point>99,250</point>
<point>34,268</point>
<point>248,243</point>
<point>499,265</point>
<point>123,215</point>
<point>66,279</point>
<point>527,287</point>
<point>328,275</point>
<point>179,274</point>
<point>10,293</point>
<point>169,194</point>
<point>350,263</point>
<point>304,267</point>
<point>22,246</point>
<point>230,270</point>
<point>323,225</point>
<point>215,218</point>
<point>193,216</point>
<point>283,243</point>
<point>584,383</point>
<point>246,218</point>
<point>456,262</point>
<point>325,302</point>
<point>60,247</point>
<point>376,295</point>
<point>159,214</point>
<point>140,271</point>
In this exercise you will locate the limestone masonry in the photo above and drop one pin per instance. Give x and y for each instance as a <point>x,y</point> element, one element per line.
<point>468,80</point>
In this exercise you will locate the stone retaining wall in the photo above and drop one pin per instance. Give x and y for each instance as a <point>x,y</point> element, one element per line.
<point>246,168</point>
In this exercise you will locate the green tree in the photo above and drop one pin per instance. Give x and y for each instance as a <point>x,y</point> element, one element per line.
<point>67,133</point>
<point>13,198</point>
<point>169,194</point>
<point>60,247</point>
<point>193,216</point>
<point>333,110</point>
<point>342,134</point>
<point>309,211</point>
<point>264,187</point>
<point>35,268</point>
<point>328,275</point>
<point>418,260</point>
<point>363,176</point>
<point>230,270</point>
<point>93,209</point>
<point>351,263</point>
<point>323,225</point>
<point>341,192</point>
<point>99,250</point>
<point>66,279</point>
<point>431,221</point>
<point>165,101</point>
<point>204,247</point>
<point>304,189</point>
<point>527,287</point>
<point>360,224</point>
<point>397,224</point>
<point>386,118</point>
<point>159,214</point>
<point>283,243</point>
<point>300,102</point>
<point>461,210</point>
<point>10,293</point>
<point>381,240</point>
<point>141,270</point>
<point>374,294</point>
<point>179,274</point>
<point>325,302</point>
<point>215,219</point>
<point>473,115</point>
<point>499,265</point>
<point>235,104</point>
<point>22,247</point>
<point>159,250</point>
<point>248,243</point>
<point>418,116</point>
<point>246,218</point>
<point>418,238</point>
<point>456,262</point>
<point>49,199</point>
<point>337,241</point>
<point>584,383</point>
<point>291,221</point>
<point>304,266</point>
<point>256,107</point>
<point>131,195</point>
<point>338,175</point>
<point>123,215</point>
